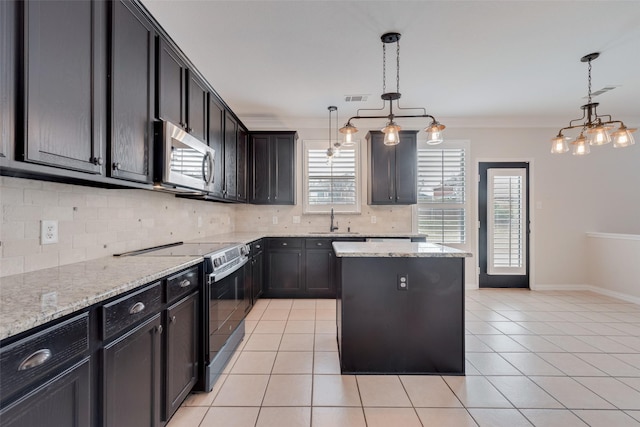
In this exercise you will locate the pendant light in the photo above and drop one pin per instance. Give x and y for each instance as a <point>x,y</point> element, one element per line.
<point>391,129</point>
<point>598,128</point>
<point>333,149</point>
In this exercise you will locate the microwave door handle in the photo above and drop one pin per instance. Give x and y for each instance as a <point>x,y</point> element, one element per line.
<point>206,162</point>
<point>212,163</point>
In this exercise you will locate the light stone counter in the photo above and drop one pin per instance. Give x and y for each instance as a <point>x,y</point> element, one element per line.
<point>32,299</point>
<point>396,249</point>
<point>248,237</point>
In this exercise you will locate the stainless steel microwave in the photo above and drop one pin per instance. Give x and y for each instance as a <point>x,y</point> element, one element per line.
<point>185,162</point>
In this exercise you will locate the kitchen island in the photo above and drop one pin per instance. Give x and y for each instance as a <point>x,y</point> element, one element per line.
<point>400,308</point>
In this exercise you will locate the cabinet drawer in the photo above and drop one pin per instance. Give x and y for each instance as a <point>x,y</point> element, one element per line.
<point>284,242</point>
<point>30,359</point>
<point>126,311</point>
<point>318,243</point>
<point>182,283</point>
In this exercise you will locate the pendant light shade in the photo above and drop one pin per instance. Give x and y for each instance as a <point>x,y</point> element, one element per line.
<point>559,144</point>
<point>391,133</point>
<point>622,137</point>
<point>580,146</point>
<point>434,133</point>
<point>598,136</point>
<point>348,130</point>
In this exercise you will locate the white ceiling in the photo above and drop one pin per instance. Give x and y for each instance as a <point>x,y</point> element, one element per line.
<point>279,64</point>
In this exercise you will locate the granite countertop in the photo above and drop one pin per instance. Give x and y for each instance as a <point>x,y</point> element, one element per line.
<point>396,249</point>
<point>32,299</point>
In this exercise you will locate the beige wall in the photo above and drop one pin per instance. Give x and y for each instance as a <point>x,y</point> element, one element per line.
<point>569,197</point>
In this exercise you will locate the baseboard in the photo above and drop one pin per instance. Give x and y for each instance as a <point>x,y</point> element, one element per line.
<point>606,292</point>
<point>470,286</point>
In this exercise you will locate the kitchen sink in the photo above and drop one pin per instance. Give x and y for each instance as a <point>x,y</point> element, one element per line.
<point>329,233</point>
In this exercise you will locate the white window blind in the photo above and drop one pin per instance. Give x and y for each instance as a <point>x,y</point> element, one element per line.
<point>330,184</point>
<point>506,221</point>
<point>441,211</point>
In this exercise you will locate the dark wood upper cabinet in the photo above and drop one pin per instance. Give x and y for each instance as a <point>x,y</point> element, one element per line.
<point>230,157</point>
<point>132,92</point>
<point>171,73</point>
<point>197,107</point>
<point>272,168</point>
<point>241,164</point>
<point>393,169</point>
<point>7,77</point>
<point>216,141</point>
<point>65,84</point>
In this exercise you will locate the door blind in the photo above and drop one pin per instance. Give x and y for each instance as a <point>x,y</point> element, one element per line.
<point>506,221</point>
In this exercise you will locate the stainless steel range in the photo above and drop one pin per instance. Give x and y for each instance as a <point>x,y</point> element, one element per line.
<point>225,303</point>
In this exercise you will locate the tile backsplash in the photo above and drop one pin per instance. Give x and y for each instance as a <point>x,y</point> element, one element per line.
<point>95,222</point>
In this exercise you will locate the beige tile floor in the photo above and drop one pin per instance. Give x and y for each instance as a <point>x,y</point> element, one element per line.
<point>533,358</point>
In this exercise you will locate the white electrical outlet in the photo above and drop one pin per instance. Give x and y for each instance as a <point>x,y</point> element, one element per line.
<point>373,220</point>
<point>275,219</point>
<point>199,221</point>
<point>296,219</point>
<point>48,232</point>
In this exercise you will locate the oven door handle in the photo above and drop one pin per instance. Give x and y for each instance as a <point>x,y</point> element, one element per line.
<point>216,277</point>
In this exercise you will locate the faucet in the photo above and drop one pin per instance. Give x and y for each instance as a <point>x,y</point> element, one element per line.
<point>333,228</point>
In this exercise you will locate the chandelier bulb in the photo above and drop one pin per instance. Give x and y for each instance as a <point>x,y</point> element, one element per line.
<point>622,137</point>
<point>559,144</point>
<point>580,146</point>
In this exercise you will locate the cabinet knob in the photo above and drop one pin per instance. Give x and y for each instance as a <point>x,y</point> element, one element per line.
<point>116,166</point>
<point>35,359</point>
<point>185,283</point>
<point>97,161</point>
<point>189,129</point>
<point>173,319</point>
<point>318,244</point>
<point>390,197</point>
<point>284,243</point>
<point>159,329</point>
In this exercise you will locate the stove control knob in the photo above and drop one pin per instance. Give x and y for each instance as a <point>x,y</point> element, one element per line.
<point>216,262</point>
<point>244,250</point>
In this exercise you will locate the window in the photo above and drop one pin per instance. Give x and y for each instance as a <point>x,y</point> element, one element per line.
<point>441,210</point>
<point>331,185</point>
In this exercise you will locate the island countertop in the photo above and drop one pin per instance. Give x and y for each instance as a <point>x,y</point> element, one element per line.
<point>396,249</point>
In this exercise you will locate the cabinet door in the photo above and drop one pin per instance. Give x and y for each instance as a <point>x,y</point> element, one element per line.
<point>197,108</point>
<point>182,351</point>
<point>406,169</point>
<point>283,170</point>
<point>285,273</point>
<point>230,159</point>
<point>216,141</point>
<point>171,86</point>
<point>65,84</point>
<point>241,165</point>
<point>319,273</point>
<point>257,275</point>
<point>63,401</point>
<point>382,171</point>
<point>259,169</point>
<point>132,377</point>
<point>7,77</point>
<point>132,93</point>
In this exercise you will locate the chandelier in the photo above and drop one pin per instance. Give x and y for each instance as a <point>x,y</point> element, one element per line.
<point>391,130</point>
<point>598,128</point>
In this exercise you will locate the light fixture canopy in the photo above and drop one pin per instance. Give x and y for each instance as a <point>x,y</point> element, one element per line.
<point>597,127</point>
<point>392,129</point>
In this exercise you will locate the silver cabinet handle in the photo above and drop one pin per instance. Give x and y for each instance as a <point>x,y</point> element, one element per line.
<point>258,246</point>
<point>159,329</point>
<point>284,244</point>
<point>35,359</point>
<point>173,319</point>
<point>185,283</point>
<point>117,166</point>
<point>319,244</point>
<point>136,308</point>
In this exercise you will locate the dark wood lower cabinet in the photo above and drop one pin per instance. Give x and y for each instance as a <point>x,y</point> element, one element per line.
<point>62,401</point>
<point>319,273</point>
<point>285,272</point>
<point>181,346</point>
<point>132,377</point>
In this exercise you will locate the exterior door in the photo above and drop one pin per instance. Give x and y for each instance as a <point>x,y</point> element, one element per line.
<point>503,211</point>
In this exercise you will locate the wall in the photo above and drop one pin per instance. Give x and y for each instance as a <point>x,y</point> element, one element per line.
<point>613,264</point>
<point>95,222</point>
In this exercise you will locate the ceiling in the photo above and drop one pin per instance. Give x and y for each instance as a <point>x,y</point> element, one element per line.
<point>279,64</point>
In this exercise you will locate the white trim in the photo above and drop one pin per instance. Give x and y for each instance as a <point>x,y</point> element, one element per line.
<point>613,236</point>
<point>613,294</point>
